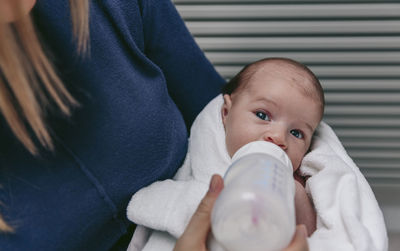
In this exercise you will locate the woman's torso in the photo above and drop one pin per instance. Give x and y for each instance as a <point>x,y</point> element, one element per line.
<point>127,133</point>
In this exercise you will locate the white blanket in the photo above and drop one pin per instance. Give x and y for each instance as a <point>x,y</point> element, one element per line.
<point>348,215</point>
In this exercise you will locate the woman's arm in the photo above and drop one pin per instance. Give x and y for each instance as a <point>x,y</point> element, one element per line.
<point>191,79</point>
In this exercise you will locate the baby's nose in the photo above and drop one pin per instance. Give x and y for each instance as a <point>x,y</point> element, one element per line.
<point>277,137</point>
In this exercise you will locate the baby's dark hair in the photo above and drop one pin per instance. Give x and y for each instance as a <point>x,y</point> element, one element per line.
<point>240,80</point>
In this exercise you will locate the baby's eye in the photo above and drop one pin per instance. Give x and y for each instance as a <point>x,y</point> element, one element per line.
<point>263,116</point>
<point>297,133</point>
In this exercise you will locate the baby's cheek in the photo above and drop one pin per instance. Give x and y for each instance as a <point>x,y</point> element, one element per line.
<point>229,146</point>
<point>296,161</point>
<point>233,144</point>
<point>237,140</point>
<point>298,156</point>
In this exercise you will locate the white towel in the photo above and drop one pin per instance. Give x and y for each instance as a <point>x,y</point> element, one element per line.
<point>168,205</point>
<point>348,215</point>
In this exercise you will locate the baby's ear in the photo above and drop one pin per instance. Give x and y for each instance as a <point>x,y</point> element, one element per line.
<point>226,107</point>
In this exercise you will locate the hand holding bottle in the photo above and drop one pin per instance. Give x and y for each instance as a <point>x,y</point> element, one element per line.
<point>195,236</point>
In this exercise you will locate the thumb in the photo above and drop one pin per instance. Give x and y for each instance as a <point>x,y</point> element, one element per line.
<point>199,226</point>
<point>299,241</point>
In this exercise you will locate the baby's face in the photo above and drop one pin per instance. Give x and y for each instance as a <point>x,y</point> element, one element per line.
<point>270,107</point>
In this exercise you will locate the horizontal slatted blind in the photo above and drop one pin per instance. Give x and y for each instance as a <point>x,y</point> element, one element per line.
<point>352,46</point>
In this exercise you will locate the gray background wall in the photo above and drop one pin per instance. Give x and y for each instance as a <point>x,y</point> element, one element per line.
<point>352,46</point>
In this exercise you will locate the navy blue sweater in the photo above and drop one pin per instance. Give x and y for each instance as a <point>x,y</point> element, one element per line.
<point>140,88</point>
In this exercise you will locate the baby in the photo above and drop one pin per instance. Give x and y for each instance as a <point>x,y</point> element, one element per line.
<point>274,99</point>
<point>281,101</point>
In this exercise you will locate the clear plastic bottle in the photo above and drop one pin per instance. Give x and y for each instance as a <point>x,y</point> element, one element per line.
<point>255,210</point>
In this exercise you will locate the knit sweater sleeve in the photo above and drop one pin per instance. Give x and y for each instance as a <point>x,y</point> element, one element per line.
<point>191,79</point>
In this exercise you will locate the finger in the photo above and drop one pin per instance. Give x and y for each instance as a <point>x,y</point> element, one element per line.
<point>199,225</point>
<point>299,241</point>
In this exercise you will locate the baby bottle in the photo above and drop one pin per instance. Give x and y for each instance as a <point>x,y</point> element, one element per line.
<point>255,210</point>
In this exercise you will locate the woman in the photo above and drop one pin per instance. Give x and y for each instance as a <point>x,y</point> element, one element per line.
<point>107,115</point>
<point>90,131</point>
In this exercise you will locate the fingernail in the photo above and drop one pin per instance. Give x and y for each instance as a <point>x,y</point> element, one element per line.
<point>213,183</point>
<point>303,231</point>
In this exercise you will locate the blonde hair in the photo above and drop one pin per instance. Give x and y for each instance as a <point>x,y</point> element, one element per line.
<point>29,83</point>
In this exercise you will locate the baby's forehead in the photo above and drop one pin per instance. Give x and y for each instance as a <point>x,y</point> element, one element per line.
<point>295,75</point>
<point>283,69</point>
